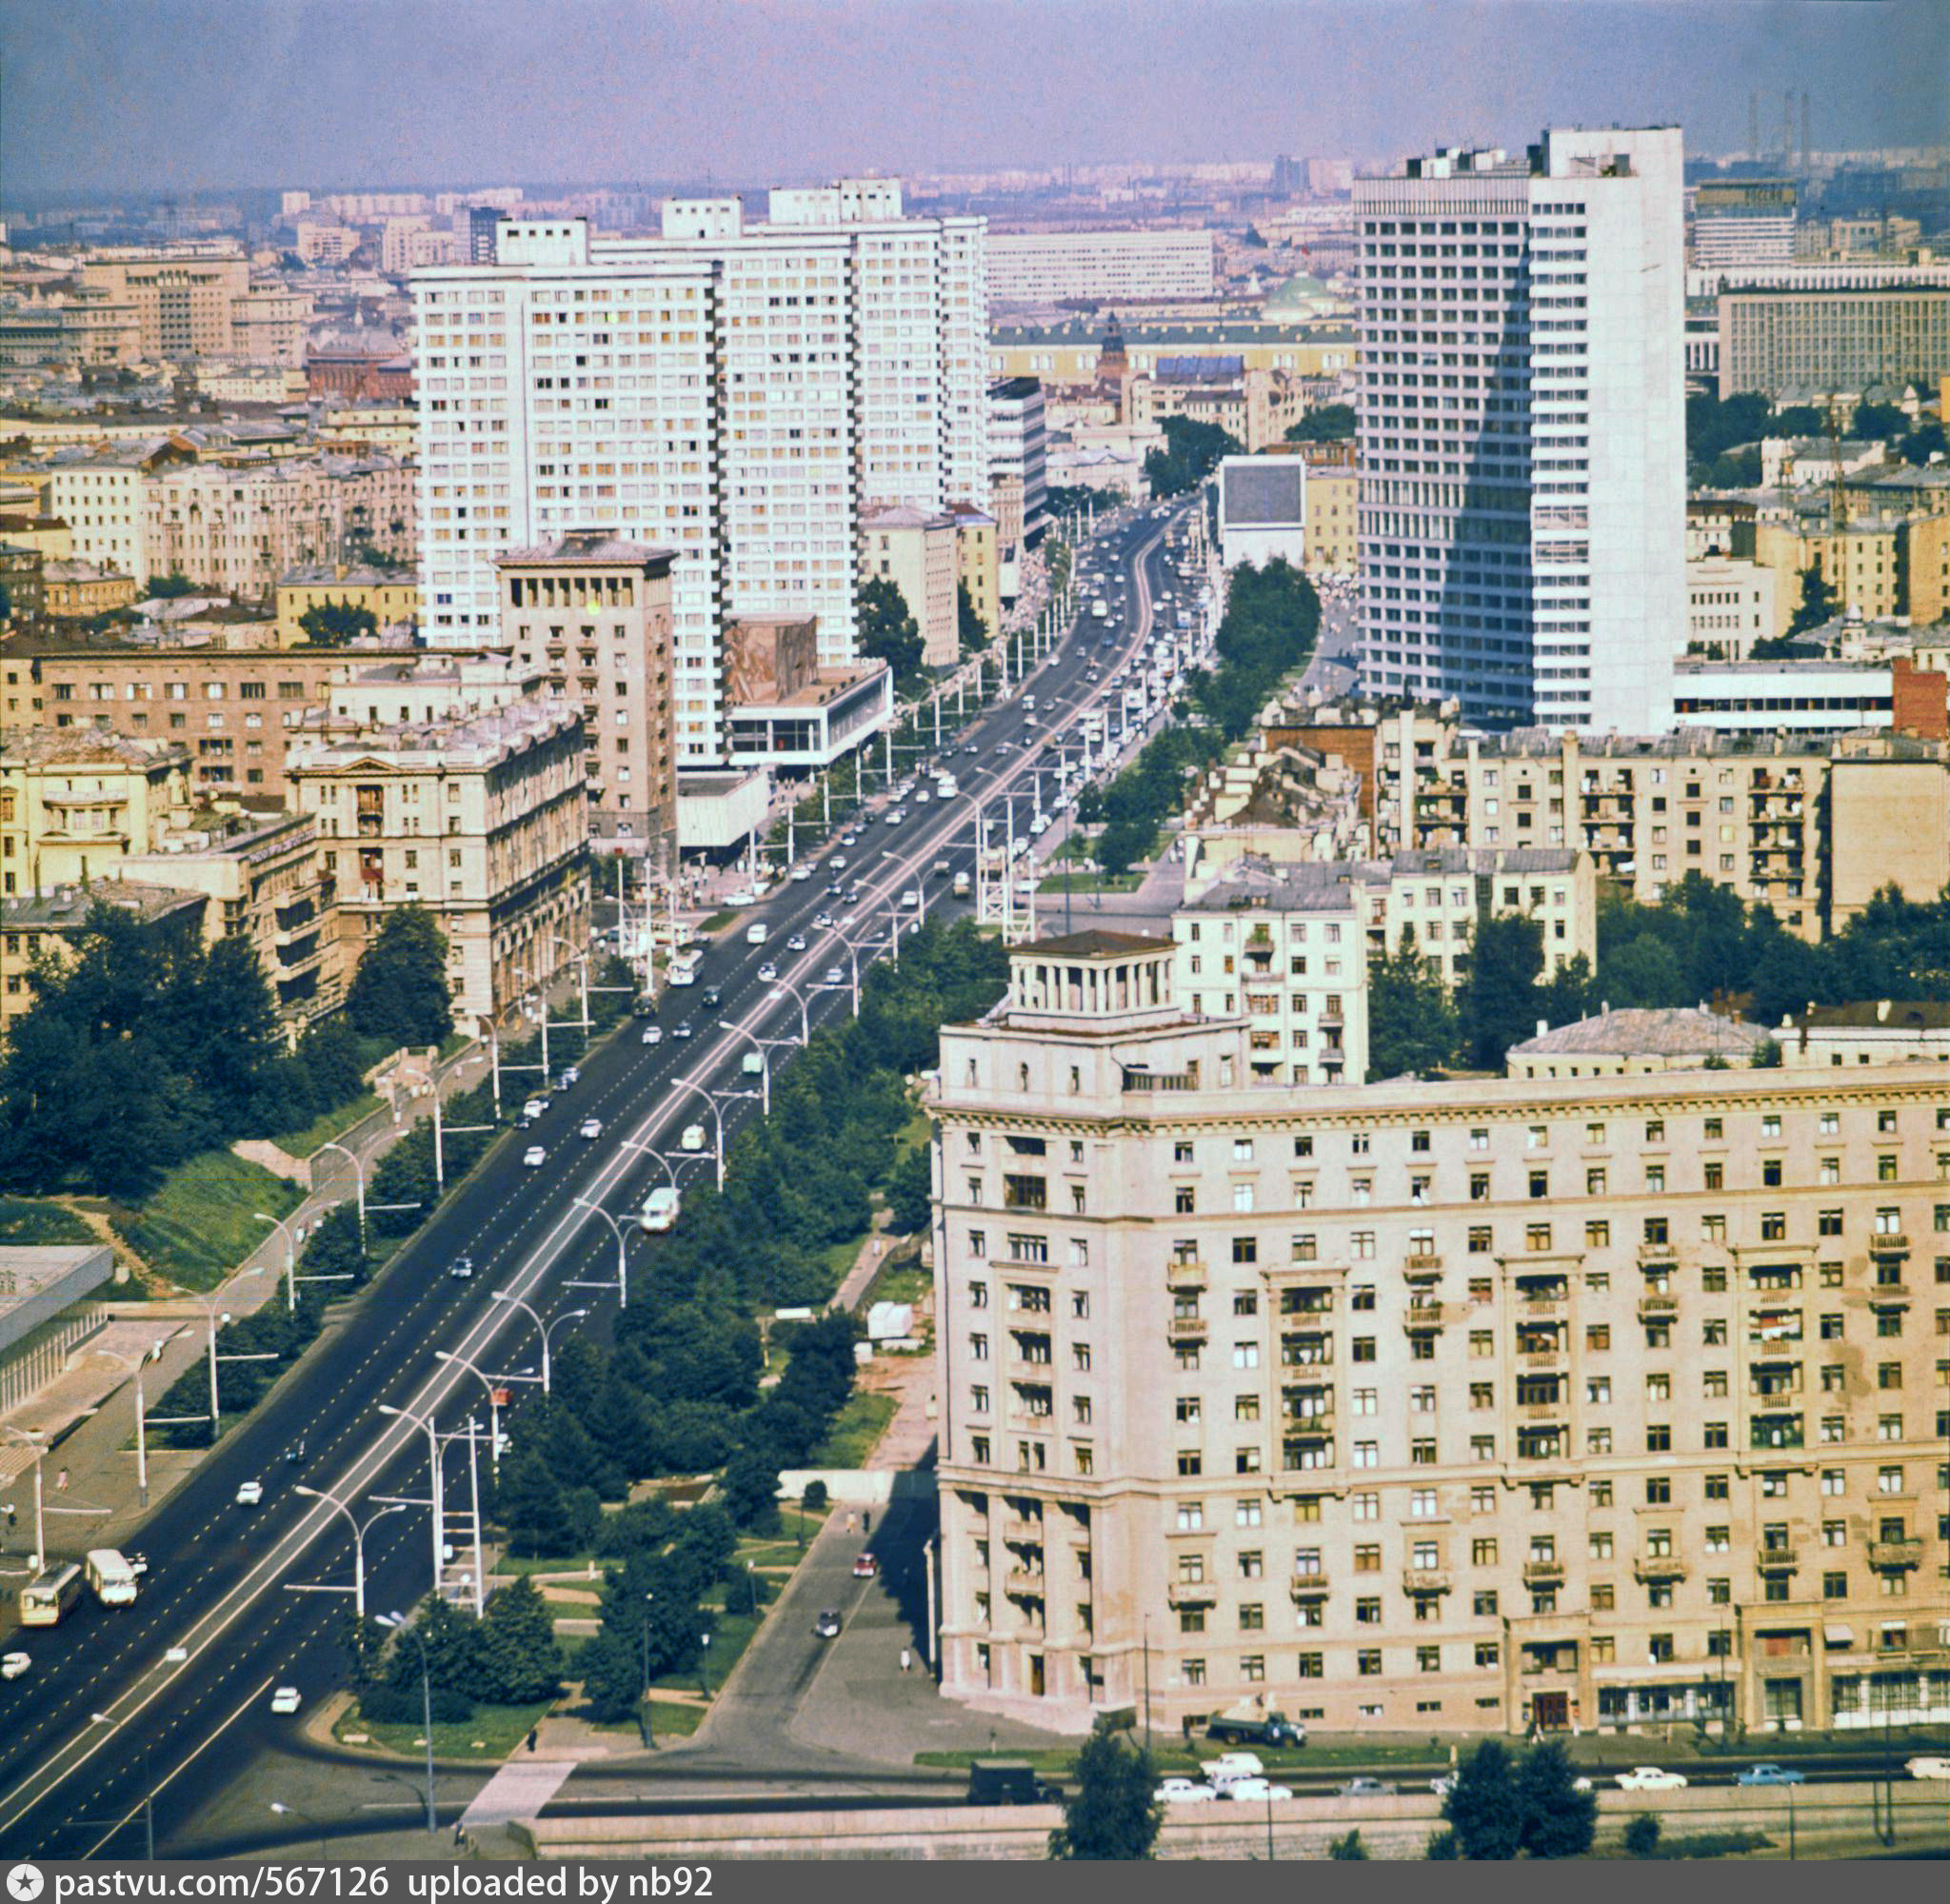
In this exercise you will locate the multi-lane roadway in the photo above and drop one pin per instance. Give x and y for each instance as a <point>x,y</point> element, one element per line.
<point>157,1706</point>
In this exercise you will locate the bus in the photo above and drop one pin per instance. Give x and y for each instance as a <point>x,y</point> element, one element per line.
<point>50,1594</point>
<point>112,1577</point>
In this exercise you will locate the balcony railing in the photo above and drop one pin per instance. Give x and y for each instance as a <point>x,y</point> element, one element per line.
<point>1184,1273</point>
<point>1889,1242</point>
<point>1888,1556</point>
<point>1654,1307</point>
<point>1422,1263</point>
<point>1185,1329</point>
<point>1778,1560</point>
<point>1648,1568</point>
<point>1023,1583</point>
<point>1191,1593</point>
<point>1312,1586</point>
<point>1544,1572</point>
<point>1425,1581</point>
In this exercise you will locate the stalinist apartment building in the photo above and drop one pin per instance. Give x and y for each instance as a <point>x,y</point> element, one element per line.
<point>736,390</point>
<point>1600,1402</point>
<point>1522,440</point>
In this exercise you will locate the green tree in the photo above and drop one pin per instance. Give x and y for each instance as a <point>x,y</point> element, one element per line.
<point>910,1192</point>
<point>334,625</point>
<point>1483,1807</point>
<point>1644,972</point>
<point>451,1640</point>
<point>1559,1820</point>
<point>528,1503</point>
<point>167,587</point>
<point>1349,1849</point>
<point>1112,1813</point>
<point>1642,1835</point>
<point>519,1659</point>
<point>1736,469</point>
<point>971,631</point>
<point>611,1672</point>
<point>1924,445</point>
<point>1499,995</point>
<point>1817,603</point>
<point>1877,423</point>
<point>1191,452</point>
<point>1411,1024</point>
<point>1441,1846</point>
<point>752,1490</point>
<point>889,631</point>
<point>1325,422</point>
<point>1800,419</point>
<point>400,992</point>
<point>363,1641</point>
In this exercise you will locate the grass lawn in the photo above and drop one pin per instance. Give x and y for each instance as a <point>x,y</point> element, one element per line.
<point>198,1225</point>
<point>1058,884</point>
<point>904,1282</point>
<point>857,1427</point>
<point>717,921</point>
<point>39,1220</point>
<point>731,1637</point>
<point>322,1130</point>
<point>839,1259</point>
<point>490,1735</point>
<point>913,1134</point>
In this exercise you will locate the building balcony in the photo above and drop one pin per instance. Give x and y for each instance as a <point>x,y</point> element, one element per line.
<point>1185,1329</point>
<point>1191,1593</point>
<point>1184,1273</point>
<point>1310,1586</point>
<point>1422,1318</point>
<point>1540,1361</point>
<point>1424,1580</point>
<point>1650,1568</point>
<point>1023,1583</point>
<point>1895,1556</point>
<point>1889,1242</point>
<point>1655,1307</point>
<point>1658,1256</point>
<point>1422,1266</point>
<point>1544,1412</point>
<point>1318,1426</point>
<point>1544,1572</point>
<point>1787,1560</point>
<point>1023,1529</point>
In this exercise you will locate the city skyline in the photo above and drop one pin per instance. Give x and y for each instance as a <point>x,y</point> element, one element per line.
<point>213,96</point>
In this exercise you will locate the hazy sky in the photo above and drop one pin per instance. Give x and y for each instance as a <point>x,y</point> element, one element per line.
<point>205,95</point>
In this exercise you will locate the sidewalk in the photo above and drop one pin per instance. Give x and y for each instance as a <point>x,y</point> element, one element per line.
<point>88,1413</point>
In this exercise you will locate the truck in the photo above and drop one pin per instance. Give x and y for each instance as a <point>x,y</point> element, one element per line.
<point>757,934</point>
<point>946,786</point>
<point>1255,1729</point>
<point>964,885</point>
<point>1009,1782</point>
<point>111,1578</point>
<point>1100,609</point>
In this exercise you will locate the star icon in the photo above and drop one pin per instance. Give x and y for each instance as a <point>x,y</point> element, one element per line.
<point>25,1883</point>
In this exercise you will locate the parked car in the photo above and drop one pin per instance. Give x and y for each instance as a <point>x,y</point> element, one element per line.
<point>534,1107</point>
<point>1651,1779</point>
<point>284,1699</point>
<point>1184,1792</point>
<point>571,1074</point>
<point>1771,1775</point>
<point>1927,1767</point>
<point>802,872</point>
<point>461,1268</point>
<point>828,1625</point>
<point>1255,1790</point>
<point>591,1127</point>
<point>13,1664</point>
<point>534,1156</point>
<point>250,1494</point>
<point>1368,1788</point>
<point>864,1566</point>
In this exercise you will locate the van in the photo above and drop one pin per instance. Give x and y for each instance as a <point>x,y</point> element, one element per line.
<point>693,1137</point>
<point>1009,1782</point>
<point>112,1577</point>
<point>661,1209</point>
<point>964,885</point>
<point>756,935</point>
<point>754,1063</point>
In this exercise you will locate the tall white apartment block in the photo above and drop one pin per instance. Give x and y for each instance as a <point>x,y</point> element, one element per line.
<point>1522,444</point>
<point>829,359</point>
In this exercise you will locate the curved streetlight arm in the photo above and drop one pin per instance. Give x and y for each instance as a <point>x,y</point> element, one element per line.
<point>717,1115</point>
<point>358,1165</point>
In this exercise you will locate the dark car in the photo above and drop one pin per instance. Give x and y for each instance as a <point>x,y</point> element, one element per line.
<point>1009,1782</point>
<point>711,998</point>
<point>828,1625</point>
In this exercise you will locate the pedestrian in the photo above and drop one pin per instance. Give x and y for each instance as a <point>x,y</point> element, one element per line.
<point>61,1482</point>
<point>906,1658</point>
<point>849,1523</point>
<point>532,1734</point>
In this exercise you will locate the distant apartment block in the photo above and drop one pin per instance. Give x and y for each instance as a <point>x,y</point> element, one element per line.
<point>915,549</point>
<point>1523,498</point>
<point>1123,266</point>
<point>1743,222</point>
<point>1826,340</point>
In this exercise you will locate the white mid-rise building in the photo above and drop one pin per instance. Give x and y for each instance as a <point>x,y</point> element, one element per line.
<point>738,391</point>
<point>1045,267</point>
<point>1522,454</point>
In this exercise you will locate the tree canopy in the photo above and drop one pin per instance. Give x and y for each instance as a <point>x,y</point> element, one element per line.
<point>400,992</point>
<point>971,631</point>
<point>1502,1807</point>
<point>1112,1813</point>
<point>1191,452</point>
<point>331,625</point>
<point>1325,422</point>
<point>889,631</point>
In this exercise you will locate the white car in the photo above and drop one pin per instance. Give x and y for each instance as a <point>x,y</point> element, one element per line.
<point>802,872</point>
<point>284,1699</point>
<point>1917,1768</point>
<point>1184,1792</point>
<point>13,1664</point>
<point>1231,1765</point>
<point>1255,1790</point>
<point>661,1209</point>
<point>1651,1779</point>
<point>591,1127</point>
<point>911,900</point>
<point>569,1075</point>
<point>693,1137</point>
<point>653,1034</point>
<point>834,976</point>
<point>837,864</point>
<point>250,1494</point>
<point>534,1156</point>
<point>768,972</point>
<point>534,1107</point>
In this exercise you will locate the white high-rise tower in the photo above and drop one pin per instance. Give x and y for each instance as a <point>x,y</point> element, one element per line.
<point>1522,430</point>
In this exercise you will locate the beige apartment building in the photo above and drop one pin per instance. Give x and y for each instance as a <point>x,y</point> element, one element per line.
<point>916,550</point>
<point>390,595</point>
<point>1474,1406</point>
<point>1332,545</point>
<point>73,804</point>
<point>592,614</point>
<point>481,819</point>
<point>183,302</point>
<point>978,564</point>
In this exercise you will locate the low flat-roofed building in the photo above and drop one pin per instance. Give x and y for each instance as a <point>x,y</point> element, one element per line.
<point>789,712</point>
<point>47,1309</point>
<point>1633,1041</point>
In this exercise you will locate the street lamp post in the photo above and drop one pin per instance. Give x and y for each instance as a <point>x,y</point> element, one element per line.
<point>358,1540</point>
<point>650,1741</point>
<point>621,1236</point>
<point>434,1490</point>
<point>358,1165</point>
<point>581,958</point>
<point>285,1811</point>
<point>494,1385</point>
<point>397,1623</point>
<point>284,1229</point>
<point>137,1364</point>
<point>544,1329</point>
<point>35,1438</point>
<point>717,1117</point>
<point>211,1317</point>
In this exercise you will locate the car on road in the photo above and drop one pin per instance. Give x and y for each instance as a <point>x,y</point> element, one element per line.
<point>661,1209</point>
<point>1927,1767</point>
<point>910,899</point>
<point>462,1268</point>
<point>534,1107</point>
<point>837,864</point>
<point>833,975</point>
<point>712,998</point>
<point>250,1494</point>
<point>1184,1792</point>
<point>940,869</point>
<point>796,943</point>
<point>570,1075</point>
<point>1255,1790</point>
<point>1770,1774</point>
<point>1368,1788</point>
<point>828,1625</point>
<point>13,1664</point>
<point>921,796</point>
<point>680,1029</point>
<point>286,1699</point>
<point>653,1034</point>
<point>1651,1779</point>
<point>822,922</point>
<point>864,1566</point>
<point>591,1127</point>
<point>835,887</point>
<point>693,1137</point>
<point>768,972</point>
<point>802,872</point>
<point>534,1156</point>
